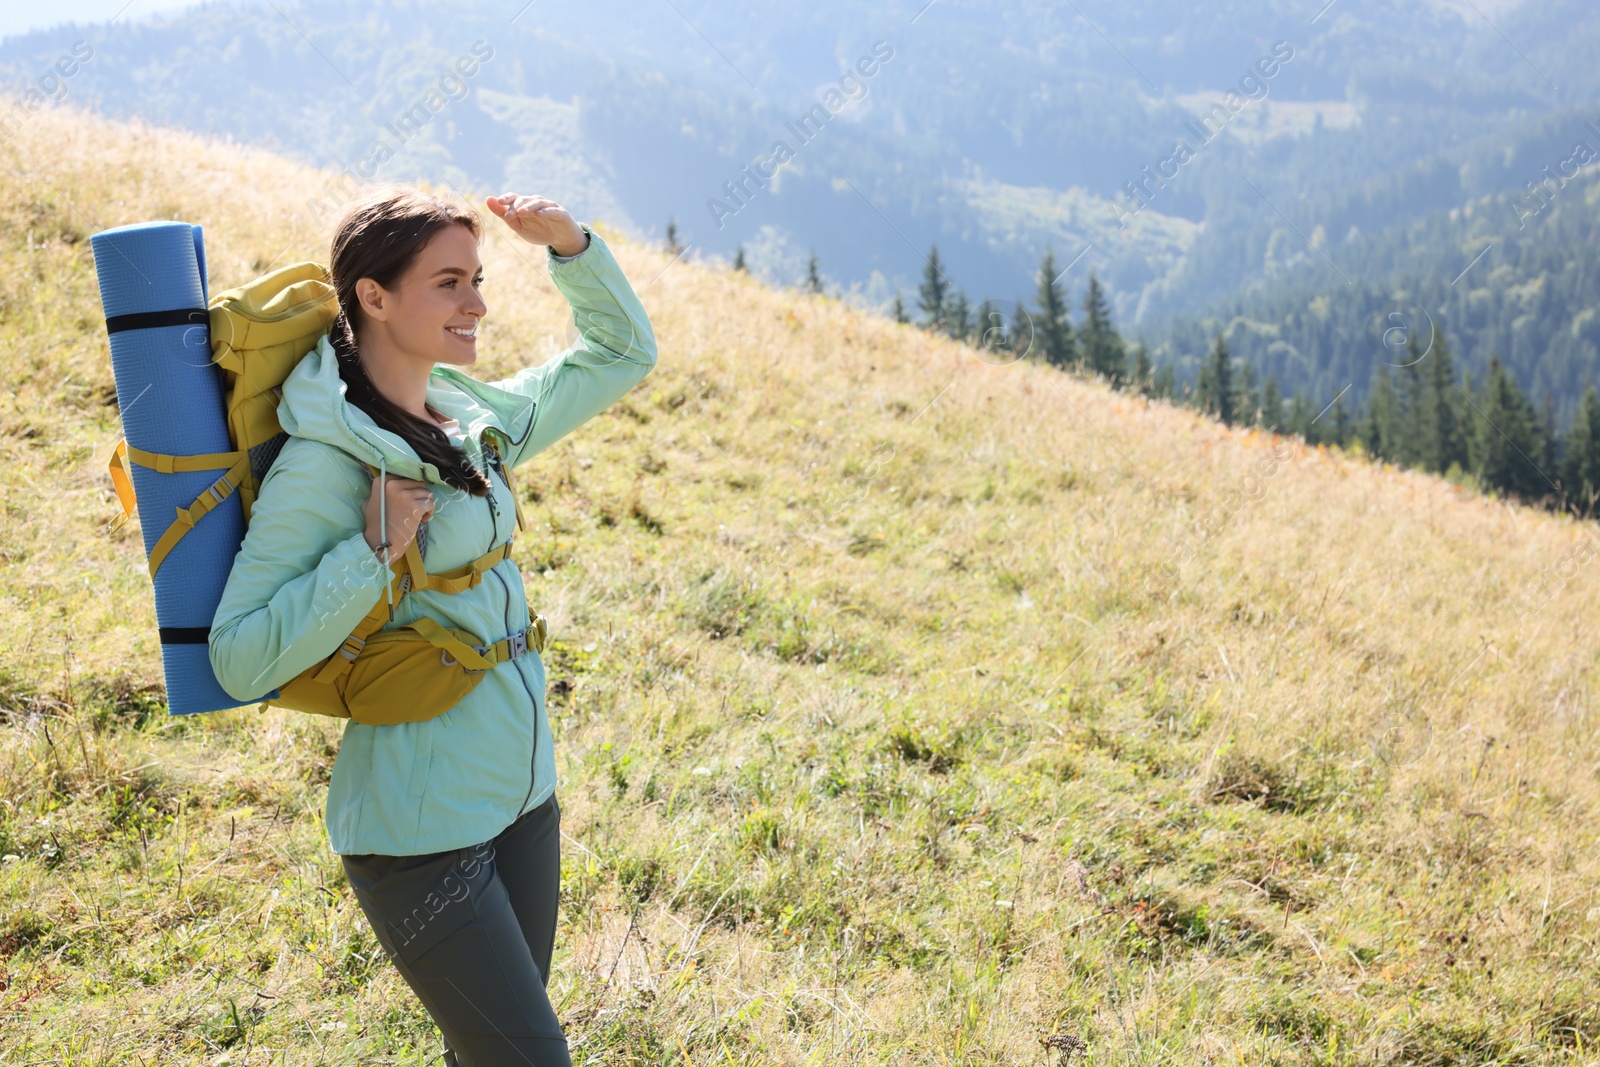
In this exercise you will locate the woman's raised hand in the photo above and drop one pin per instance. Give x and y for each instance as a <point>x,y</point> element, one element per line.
<point>540,221</point>
<point>405,503</point>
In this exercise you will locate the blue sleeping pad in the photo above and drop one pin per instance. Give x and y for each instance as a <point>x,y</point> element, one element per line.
<point>153,291</point>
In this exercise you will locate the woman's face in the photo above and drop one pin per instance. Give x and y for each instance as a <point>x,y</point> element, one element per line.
<point>432,314</point>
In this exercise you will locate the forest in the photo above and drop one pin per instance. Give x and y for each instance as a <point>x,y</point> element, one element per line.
<point>1423,410</point>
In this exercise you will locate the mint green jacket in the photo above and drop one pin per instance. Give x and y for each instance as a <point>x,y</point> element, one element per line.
<point>304,576</point>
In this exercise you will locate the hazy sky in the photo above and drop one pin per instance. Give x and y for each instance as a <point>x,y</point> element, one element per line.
<point>17,17</point>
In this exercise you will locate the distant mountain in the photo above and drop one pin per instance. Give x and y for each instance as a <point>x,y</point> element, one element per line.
<point>1193,155</point>
<point>1513,275</point>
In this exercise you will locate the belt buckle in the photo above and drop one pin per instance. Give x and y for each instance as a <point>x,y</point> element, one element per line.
<point>519,643</point>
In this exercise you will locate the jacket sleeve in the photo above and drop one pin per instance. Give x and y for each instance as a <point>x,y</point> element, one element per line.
<point>616,350</point>
<point>303,578</point>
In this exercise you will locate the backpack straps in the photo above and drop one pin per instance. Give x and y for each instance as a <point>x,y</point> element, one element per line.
<point>505,473</point>
<point>409,576</point>
<point>340,661</point>
<point>458,579</point>
<point>406,570</point>
<point>236,464</point>
<point>472,658</point>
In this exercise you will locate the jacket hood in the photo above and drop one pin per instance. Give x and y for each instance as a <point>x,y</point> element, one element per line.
<point>313,405</point>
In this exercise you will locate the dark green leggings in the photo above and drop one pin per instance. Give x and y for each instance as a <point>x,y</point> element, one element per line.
<point>471,931</point>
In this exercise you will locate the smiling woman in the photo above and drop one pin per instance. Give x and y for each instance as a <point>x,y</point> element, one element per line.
<point>389,334</point>
<point>413,793</point>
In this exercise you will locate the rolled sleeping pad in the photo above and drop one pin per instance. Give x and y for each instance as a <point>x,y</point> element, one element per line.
<point>153,292</point>
<point>200,263</point>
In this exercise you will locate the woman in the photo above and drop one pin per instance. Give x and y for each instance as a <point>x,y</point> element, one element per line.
<point>448,828</point>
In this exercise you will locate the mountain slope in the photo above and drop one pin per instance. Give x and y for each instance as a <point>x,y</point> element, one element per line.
<point>909,709</point>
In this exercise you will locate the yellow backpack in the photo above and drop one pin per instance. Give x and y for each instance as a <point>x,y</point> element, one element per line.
<point>259,332</point>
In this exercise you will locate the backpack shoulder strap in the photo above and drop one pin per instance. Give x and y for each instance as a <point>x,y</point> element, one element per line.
<point>493,448</point>
<point>236,468</point>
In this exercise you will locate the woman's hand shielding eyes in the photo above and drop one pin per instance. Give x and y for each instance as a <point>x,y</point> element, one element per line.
<point>540,221</point>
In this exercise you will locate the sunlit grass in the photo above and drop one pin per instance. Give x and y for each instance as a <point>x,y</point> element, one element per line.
<point>909,709</point>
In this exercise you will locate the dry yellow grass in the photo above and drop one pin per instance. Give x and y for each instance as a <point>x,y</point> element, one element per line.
<point>909,709</point>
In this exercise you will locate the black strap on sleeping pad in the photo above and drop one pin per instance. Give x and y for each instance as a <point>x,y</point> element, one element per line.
<point>185,635</point>
<point>147,320</point>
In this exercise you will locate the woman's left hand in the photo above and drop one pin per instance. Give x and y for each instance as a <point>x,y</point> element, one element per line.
<point>540,221</point>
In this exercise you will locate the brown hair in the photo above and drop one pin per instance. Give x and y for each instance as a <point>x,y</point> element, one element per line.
<point>378,237</point>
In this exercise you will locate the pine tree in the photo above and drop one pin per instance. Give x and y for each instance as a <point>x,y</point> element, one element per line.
<point>1103,349</point>
<point>814,273</point>
<point>1051,328</point>
<point>738,260</point>
<point>1443,443</point>
<point>1246,401</point>
<point>1298,421</point>
<point>1216,383</point>
<point>986,326</point>
<point>1507,438</point>
<point>673,247</point>
<point>935,288</point>
<point>1271,406</point>
<point>1141,370</point>
<point>1410,436</point>
<point>958,316</point>
<point>1581,470</point>
<point>1164,384</point>
<point>900,309</point>
<point>1023,337</point>
<point>1339,431</point>
<point>1378,432</point>
<point>1549,457</point>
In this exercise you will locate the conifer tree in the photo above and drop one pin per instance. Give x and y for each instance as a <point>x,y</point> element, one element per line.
<point>814,273</point>
<point>934,290</point>
<point>1507,438</point>
<point>1443,443</point>
<point>1378,432</point>
<point>1246,398</point>
<point>900,309</point>
<point>1548,441</point>
<point>1023,337</point>
<point>1581,471</point>
<point>958,316</point>
<point>1102,347</point>
<point>1141,370</point>
<point>738,260</point>
<point>1052,328</point>
<point>673,247</point>
<point>1339,429</point>
<point>986,326</point>
<point>1216,387</point>
<point>1163,383</point>
<point>1298,421</point>
<point>1271,406</point>
<point>1410,435</point>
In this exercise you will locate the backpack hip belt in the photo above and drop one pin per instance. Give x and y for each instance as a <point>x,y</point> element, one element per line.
<point>418,670</point>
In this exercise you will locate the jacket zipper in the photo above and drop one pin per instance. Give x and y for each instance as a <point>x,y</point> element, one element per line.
<point>491,459</point>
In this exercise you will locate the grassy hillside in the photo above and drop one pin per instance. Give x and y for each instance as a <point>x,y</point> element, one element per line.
<point>909,709</point>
